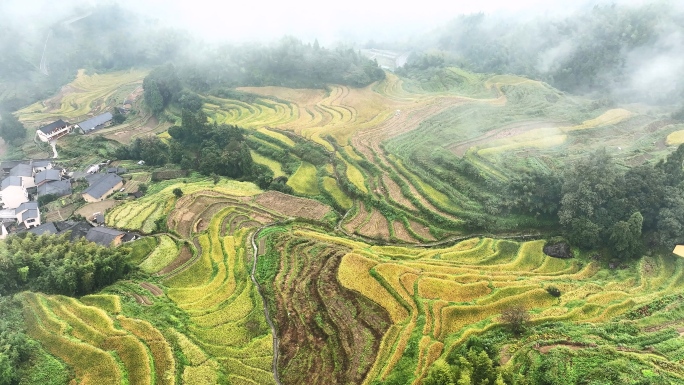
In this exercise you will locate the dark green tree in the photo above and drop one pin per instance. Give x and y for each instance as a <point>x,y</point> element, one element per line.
<point>11,129</point>
<point>625,237</point>
<point>177,192</point>
<point>670,225</point>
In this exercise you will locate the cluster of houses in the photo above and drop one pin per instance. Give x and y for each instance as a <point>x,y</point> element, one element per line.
<point>58,129</point>
<point>24,180</point>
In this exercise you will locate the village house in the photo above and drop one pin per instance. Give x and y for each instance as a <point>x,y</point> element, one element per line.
<point>13,192</point>
<point>28,214</point>
<point>102,187</point>
<point>57,188</point>
<point>53,131</point>
<point>25,172</point>
<point>95,123</point>
<point>46,176</point>
<point>105,236</point>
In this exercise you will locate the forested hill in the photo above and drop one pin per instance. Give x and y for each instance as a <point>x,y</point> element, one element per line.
<point>108,37</point>
<point>41,52</point>
<point>628,53</point>
<point>288,63</point>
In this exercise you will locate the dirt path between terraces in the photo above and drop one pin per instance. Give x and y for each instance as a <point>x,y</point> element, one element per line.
<point>263,300</point>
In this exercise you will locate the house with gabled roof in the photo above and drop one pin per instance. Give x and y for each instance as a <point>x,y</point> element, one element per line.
<point>102,188</point>
<point>13,192</point>
<point>95,123</point>
<point>47,176</point>
<point>25,172</point>
<point>53,131</point>
<point>105,236</point>
<point>58,188</point>
<point>28,214</point>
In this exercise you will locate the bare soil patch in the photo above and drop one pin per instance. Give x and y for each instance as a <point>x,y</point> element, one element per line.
<point>90,209</point>
<point>154,289</point>
<point>183,257</point>
<point>291,206</point>
<point>353,223</point>
<point>401,233</point>
<point>421,230</point>
<point>142,299</point>
<point>395,192</point>
<point>376,227</point>
<point>307,283</point>
<point>61,214</point>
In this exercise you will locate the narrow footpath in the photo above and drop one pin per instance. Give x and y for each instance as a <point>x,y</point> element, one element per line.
<point>263,299</point>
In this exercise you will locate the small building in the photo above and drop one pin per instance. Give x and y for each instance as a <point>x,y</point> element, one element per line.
<point>116,170</point>
<point>97,219</point>
<point>679,250</point>
<point>105,236</point>
<point>58,188</point>
<point>25,172</point>
<point>136,195</point>
<point>28,214</point>
<point>12,192</point>
<point>41,165</point>
<point>53,131</point>
<point>101,189</point>
<point>95,123</point>
<point>46,176</point>
<point>45,228</point>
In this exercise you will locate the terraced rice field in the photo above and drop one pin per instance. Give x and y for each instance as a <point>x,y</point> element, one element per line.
<point>88,95</point>
<point>436,298</point>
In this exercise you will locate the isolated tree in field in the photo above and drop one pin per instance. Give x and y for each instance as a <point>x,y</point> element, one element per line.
<point>178,192</point>
<point>516,318</point>
<point>11,129</point>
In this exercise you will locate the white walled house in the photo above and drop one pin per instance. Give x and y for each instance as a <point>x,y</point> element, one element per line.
<point>28,214</point>
<point>53,131</point>
<point>12,192</point>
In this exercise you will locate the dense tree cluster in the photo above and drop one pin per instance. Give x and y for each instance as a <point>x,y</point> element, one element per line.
<point>598,204</point>
<point>198,145</point>
<point>288,63</point>
<point>161,87</point>
<point>469,367</point>
<point>11,129</point>
<point>54,264</point>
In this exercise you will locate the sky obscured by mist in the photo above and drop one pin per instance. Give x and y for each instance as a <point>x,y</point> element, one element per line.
<point>349,21</point>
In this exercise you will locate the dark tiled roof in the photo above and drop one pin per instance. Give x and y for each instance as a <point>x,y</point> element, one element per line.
<point>50,127</point>
<point>26,206</point>
<point>41,163</point>
<point>103,186</point>
<point>103,235</point>
<point>59,188</point>
<point>45,228</point>
<point>99,219</point>
<point>116,170</point>
<point>10,181</point>
<point>8,164</point>
<point>78,230</point>
<point>48,175</point>
<point>129,237</point>
<point>21,169</point>
<point>95,121</point>
<point>28,214</point>
<point>94,178</point>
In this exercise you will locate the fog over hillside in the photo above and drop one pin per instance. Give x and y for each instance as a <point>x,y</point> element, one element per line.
<point>627,51</point>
